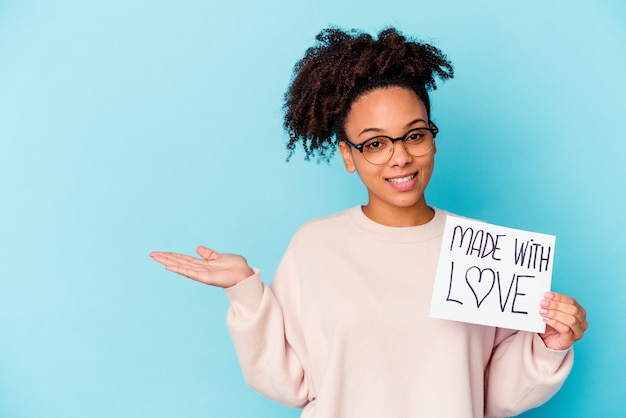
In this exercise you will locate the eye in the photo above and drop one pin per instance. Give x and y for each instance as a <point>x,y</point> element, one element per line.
<point>376,144</point>
<point>415,136</point>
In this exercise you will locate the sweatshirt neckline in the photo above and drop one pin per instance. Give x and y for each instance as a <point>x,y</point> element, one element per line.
<point>408,234</point>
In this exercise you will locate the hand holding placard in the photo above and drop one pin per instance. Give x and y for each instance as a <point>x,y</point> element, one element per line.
<point>492,275</point>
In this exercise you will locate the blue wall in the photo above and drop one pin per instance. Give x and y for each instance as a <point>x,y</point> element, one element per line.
<point>128,126</point>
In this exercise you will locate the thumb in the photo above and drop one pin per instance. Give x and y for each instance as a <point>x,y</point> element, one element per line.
<point>208,254</point>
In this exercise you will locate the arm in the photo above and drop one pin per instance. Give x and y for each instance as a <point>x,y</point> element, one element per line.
<point>526,369</point>
<point>269,342</point>
<point>523,373</point>
<point>266,333</point>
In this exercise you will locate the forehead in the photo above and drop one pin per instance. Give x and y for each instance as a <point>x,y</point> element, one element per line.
<point>386,110</point>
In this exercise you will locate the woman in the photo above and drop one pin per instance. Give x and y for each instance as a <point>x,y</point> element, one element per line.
<point>344,330</point>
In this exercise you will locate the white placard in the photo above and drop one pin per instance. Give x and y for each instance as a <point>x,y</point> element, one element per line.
<point>492,275</point>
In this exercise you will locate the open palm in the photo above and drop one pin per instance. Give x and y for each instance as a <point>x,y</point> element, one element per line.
<point>212,268</point>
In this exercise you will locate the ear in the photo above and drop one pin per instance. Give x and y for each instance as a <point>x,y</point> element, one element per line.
<point>346,154</point>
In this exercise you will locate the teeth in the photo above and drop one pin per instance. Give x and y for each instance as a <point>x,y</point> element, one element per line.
<point>402,179</point>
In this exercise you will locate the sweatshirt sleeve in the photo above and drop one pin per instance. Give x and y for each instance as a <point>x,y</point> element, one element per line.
<point>523,373</point>
<point>267,336</point>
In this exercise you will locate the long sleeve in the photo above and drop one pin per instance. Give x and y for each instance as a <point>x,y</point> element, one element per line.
<point>267,337</point>
<point>523,373</point>
<point>343,331</point>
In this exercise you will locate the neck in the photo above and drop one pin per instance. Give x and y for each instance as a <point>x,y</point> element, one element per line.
<point>400,216</point>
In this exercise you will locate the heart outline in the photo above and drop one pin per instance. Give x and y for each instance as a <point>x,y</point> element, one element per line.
<point>479,301</point>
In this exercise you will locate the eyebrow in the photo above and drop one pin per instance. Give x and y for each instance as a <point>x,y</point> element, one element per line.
<point>379,130</point>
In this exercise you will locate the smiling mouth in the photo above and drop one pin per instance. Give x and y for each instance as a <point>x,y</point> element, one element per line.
<point>399,180</point>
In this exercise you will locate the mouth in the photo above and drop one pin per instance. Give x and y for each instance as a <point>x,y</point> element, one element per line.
<point>400,180</point>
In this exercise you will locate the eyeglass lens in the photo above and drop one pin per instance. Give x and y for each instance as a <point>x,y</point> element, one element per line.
<point>379,150</point>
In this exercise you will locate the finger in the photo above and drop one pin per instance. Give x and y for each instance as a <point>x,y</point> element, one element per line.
<point>167,258</point>
<point>565,324</point>
<point>559,297</point>
<point>556,337</point>
<point>563,299</point>
<point>566,335</point>
<point>160,257</point>
<point>564,331</point>
<point>563,303</point>
<point>158,254</point>
<point>207,253</point>
<point>561,307</point>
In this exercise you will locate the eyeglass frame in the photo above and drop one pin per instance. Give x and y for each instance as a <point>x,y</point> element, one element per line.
<point>434,131</point>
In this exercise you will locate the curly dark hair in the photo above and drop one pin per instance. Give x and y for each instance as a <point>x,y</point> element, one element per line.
<point>341,67</point>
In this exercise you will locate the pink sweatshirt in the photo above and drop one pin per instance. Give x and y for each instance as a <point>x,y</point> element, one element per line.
<point>344,331</point>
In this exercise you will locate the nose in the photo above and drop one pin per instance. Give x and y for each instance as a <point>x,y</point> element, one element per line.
<point>400,156</point>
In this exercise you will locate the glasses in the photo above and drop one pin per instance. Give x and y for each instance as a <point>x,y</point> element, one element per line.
<point>417,142</point>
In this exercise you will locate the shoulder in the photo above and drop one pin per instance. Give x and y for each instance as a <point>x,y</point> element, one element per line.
<point>321,232</point>
<point>336,221</point>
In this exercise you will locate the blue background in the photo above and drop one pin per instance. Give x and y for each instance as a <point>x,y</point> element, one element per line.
<point>131,126</point>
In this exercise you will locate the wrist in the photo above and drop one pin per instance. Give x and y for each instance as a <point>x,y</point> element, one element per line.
<point>245,273</point>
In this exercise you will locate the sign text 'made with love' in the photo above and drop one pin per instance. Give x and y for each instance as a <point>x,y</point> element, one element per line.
<point>492,275</point>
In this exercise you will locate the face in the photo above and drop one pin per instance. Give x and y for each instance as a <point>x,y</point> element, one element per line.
<point>396,188</point>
